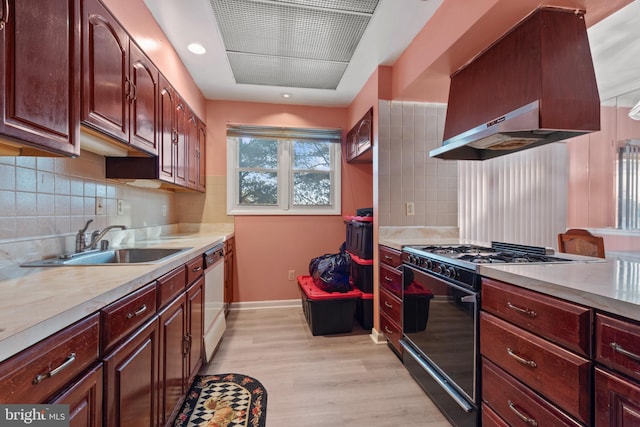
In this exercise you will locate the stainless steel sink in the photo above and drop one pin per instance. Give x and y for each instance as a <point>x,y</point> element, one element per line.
<point>110,257</point>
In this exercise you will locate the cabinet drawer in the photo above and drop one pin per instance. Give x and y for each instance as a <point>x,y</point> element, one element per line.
<point>392,331</point>
<point>563,377</point>
<point>618,344</point>
<point>564,323</point>
<point>391,280</point>
<point>389,256</point>
<point>617,400</point>
<point>171,284</point>
<point>490,418</point>
<point>195,269</point>
<point>37,373</point>
<point>123,316</point>
<point>391,306</point>
<point>517,404</point>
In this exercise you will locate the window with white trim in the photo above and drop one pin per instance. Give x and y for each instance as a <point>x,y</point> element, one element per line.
<point>283,171</point>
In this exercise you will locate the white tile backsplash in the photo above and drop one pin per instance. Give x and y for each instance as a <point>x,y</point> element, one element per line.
<point>407,132</point>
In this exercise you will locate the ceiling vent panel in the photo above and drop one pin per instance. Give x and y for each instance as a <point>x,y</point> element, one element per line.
<point>291,72</point>
<point>291,33</point>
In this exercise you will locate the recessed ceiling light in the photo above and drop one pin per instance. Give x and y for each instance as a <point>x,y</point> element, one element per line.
<point>285,95</point>
<point>197,48</point>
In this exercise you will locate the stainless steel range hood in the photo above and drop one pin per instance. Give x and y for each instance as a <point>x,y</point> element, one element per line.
<point>534,86</point>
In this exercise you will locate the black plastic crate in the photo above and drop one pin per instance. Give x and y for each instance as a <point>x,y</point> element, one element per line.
<point>359,237</point>
<point>327,312</point>
<point>361,272</point>
<point>364,310</point>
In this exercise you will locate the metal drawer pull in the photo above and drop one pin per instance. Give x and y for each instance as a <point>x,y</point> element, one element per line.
<point>41,377</point>
<point>388,257</point>
<point>138,312</point>
<point>520,310</point>
<point>523,417</point>
<point>618,348</point>
<point>521,359</point>
<point>387,330</point>
<point>388,279</point>
<point>196,269</point>
<point>5,15</point>
<point>388,305</point>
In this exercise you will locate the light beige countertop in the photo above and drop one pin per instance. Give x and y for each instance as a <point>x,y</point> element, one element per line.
<point>36,302</point>
<point>611,285</point>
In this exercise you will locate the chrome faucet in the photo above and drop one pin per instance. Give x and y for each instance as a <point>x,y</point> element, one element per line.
<point>81,238</point>
<point>97,235</point>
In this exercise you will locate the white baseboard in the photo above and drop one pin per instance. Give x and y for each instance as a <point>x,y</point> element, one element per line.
<point>251,305</point>
<point>377,337</point>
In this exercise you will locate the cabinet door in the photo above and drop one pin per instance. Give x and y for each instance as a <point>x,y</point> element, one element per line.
<point>195,331</point>
<point>144,101</point>
<point>202,158</point>
<point>105,63</point>
<point>193,163</point>
<point>617,400</point>
<point>173,352</point>
<point>131,380</point>
<point>84,399</point>
<point>167,130</point>
<point>182,130</point>
<point>40,69</point>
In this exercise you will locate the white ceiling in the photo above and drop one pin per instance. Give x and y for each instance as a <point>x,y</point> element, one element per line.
<point>615,45</point>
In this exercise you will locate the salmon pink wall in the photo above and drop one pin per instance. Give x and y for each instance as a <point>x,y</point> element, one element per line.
<point>267,247</point>
<point>137,19</point>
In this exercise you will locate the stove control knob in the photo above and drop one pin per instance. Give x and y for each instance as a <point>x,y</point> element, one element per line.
<point>413,259</point>
<point>438,268</point>
<point>450,272</point>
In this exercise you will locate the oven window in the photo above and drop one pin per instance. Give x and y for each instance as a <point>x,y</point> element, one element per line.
<point>440,321</point>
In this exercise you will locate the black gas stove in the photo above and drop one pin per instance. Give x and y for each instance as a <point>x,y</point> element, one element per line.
<point>460,263</point>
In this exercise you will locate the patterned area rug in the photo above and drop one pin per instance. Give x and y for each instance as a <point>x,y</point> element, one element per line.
<point>228,400</point>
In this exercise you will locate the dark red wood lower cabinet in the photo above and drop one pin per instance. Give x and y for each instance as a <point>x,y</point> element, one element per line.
<point>84,399</point>
<point>131,380</point>
<point>617,400</point>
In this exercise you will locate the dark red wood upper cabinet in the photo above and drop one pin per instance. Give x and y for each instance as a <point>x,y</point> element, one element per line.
<point>202,158</point>
<point>182,131</point>
<point>40,69</point>
<point>105,67</point>
<point>144,101</point>
<point>193,162</point>
<point>167,126</point>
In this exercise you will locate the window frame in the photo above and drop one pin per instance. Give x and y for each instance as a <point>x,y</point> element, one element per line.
<point>285,180</point>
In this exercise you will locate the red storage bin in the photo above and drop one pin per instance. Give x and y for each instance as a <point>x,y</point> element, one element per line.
<point>364,310</point>
<point>327,312</point>
<point>361,272</point>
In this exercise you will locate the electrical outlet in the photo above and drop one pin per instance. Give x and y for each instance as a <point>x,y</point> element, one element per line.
<point>120,207</point>
<point>292,275</point>
<point>99,206</point>
<point>410,209</point>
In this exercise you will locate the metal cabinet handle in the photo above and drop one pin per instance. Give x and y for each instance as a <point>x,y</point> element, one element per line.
<point>388,257</point>
<point>5,15</point>
<point>388,279</point>
<point>196,269</point>
<point>388,331</point>
<point>135,91</point>
<point>529,363</point>
<point>127,91</point>
<point>619,349</point>
<point>41,377</point>
<point>186,344</point>
<point>527,419</point>
<point>521,310</point>
<point>388,304</point>
<point>138,312</point>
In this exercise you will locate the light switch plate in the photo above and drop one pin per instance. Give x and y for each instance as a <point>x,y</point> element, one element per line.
<point>99,206</point>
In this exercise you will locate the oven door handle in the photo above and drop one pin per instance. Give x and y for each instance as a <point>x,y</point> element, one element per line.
<point>461,401</point>
<point>469,298</point>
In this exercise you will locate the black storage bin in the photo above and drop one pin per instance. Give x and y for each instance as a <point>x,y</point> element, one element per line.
<point>361,273</point>
<point>327,312</point>
<point>364,310</point>
<point>415,308</point>
<point>359,236</point>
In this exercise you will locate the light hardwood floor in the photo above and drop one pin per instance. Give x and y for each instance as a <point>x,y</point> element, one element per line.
<point>333,380</point>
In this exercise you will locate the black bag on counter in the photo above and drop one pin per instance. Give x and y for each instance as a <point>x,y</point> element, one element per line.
<point>330,272</point>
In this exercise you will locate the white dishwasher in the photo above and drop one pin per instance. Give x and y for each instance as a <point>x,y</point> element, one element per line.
<point>214,318</point>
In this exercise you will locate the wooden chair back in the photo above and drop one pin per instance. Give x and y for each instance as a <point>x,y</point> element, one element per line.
<point>581,242</point>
